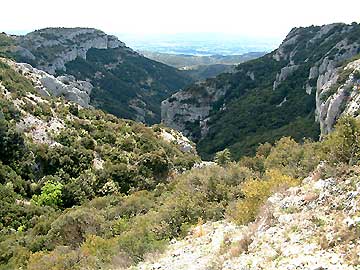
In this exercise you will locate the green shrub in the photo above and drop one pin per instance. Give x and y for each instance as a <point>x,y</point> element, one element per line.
<point>73,226</point>
<point>140,239</point>
<point>293,159</point>
<point>223,157</point>
<point>79,190</point>
<point>343,144</point>
<point>51,193</point>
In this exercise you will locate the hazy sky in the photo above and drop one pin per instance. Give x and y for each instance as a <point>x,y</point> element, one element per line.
<point>259,18</point>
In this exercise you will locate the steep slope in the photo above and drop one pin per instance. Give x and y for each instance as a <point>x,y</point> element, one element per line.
<point>56,155</point>
<point>266,98</point>
<point>313,226</point>
<point>61,139</point>
<point>339,95</point>
<point>123,82</point>
<point>82,189</point>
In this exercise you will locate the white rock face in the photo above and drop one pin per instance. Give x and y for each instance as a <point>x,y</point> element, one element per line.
<point>40,130</point>
<point>332,100</point>
<point>325,74</point>
<point>284,74</point>
<point>64,45</point>
<point>183,107</point>
<point>290,39</point>
<point>177,138</point>
<point>48,85</point>
<point>197,251</point>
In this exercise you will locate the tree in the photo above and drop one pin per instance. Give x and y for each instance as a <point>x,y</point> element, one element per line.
<point>343,144</point>
<point>223,157</point>
<point>11,143</point>
<point>51,193</point>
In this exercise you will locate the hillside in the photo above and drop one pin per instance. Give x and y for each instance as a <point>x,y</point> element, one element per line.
<point>47,128</point>
<point>55,155</point>
<point>273,96</point>
<point>201,73</point>
<point>312,226</point>
<point>122,82</point>
<point>82,189</point>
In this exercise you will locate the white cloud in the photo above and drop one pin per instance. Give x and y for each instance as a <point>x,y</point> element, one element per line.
<point>253,17</point>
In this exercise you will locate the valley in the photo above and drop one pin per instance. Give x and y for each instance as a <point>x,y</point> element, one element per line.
<point>200,68</point>
<point>114,159</point>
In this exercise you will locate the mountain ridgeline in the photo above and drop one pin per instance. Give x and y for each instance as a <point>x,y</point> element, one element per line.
<point>83,189</point>
<point>122,82</point>
<point>279,94</point>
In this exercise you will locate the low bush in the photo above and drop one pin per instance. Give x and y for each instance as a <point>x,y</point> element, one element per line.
<point>293,159</point>
<point>343,144</point>
<point>256,191</point>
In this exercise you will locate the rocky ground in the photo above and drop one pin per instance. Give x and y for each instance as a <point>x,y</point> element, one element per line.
<point>314,226</point>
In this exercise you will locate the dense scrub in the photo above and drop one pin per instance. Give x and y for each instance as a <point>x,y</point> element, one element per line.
<point>46,168</point>
<point>100,192</point>
<point>120,229</point>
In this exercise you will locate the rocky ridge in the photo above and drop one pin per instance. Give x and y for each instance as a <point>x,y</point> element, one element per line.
<point>122,81</point>
<point>313,226</point>
<point>306,61</point>
<point>63,45</point>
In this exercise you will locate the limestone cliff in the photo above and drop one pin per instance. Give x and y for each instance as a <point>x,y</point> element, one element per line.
<point>123,82</point>
<point>52,48</point>
<point>339,95</point>
<point>269,97</point>
<point>186,107</point>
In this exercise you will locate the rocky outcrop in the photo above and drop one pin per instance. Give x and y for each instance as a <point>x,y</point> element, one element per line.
<point>284,74</point>
<point>338,95</point>
<point>282,52</point>
<point>184,108</point>
<point>323,74</point>
<point>63,45</point>
<point>176,137</point>
<point>41,131</point>
<point>48,85</point>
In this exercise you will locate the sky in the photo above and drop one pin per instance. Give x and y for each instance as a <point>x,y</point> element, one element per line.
<point>255,18</point>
